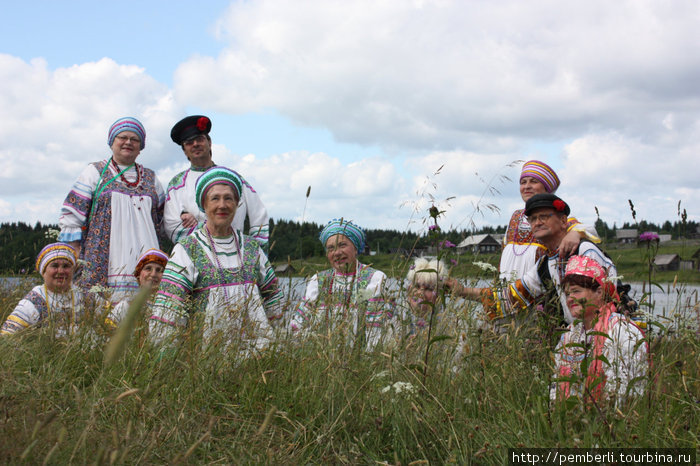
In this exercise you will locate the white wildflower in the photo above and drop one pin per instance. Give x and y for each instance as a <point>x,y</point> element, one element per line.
<point>52,233</point>
<point>613,278</point>
<point>400,387</point>
<point>485,266</point>
<point>404,387</point>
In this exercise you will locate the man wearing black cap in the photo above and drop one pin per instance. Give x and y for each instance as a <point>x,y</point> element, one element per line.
<point>547,215</point>
<point>182,215</point>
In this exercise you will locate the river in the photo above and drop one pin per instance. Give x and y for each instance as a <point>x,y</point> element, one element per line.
<point>667,302</point>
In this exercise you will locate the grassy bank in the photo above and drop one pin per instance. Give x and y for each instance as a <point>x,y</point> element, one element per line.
<point>320,401</point>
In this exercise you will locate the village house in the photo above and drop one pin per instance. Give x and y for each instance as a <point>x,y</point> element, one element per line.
<point>486,243</point>
<point>626,236</point>
<point>667,262</point>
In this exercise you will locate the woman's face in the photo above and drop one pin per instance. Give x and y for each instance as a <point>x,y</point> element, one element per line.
<point>421,298</point>
<point>151,274</point>
<point>530,186</point>
<point>220,205</point>
<point>341,253</point>
<point>58,275</point>
<point>126,147</point>
<point>583,302</point>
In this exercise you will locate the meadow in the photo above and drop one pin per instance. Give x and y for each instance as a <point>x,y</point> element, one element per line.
<point>104,398</point>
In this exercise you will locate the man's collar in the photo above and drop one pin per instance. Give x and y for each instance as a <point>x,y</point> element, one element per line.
<point>201,169</point>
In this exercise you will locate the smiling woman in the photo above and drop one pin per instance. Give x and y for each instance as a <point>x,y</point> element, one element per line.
<point>114,212</point>
<point>340,295</point>
<point>602,350</point>
<point>218,277</point>
<point>57,303</point>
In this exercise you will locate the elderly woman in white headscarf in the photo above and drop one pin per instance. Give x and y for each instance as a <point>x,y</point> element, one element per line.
<point>424,278</point>
<point>218,276</point>
<point>347,292</point>
<point>57,302</point>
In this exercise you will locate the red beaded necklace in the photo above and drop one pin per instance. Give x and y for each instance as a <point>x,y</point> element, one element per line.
<point>123,178</point>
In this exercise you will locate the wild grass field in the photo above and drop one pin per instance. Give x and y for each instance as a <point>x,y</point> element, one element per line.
<point>320,400</point>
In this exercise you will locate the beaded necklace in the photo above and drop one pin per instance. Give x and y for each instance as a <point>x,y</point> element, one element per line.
<point>220,269</point>
<point>72,306</point>
<point>123,178</point>
<point>101,187</point>
<point>521,236</point>
<point>348,297</point>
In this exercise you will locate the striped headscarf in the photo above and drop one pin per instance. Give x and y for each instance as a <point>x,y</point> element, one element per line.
<point>152,255</point>
<point>542,173</point>
<point>126,124</point>
<point>52,252</point>
<point>216,175</point>
<point>346,228</point>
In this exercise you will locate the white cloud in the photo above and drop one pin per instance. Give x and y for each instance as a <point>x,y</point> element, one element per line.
<point>470,86</point>
<point>447,73</point>
<point>53,123</point>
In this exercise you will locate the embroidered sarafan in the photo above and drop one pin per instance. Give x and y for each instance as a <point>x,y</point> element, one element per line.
<point>227,282</point>
<point>116,227</point>
<point>61,311</point>
<point>332,297</point>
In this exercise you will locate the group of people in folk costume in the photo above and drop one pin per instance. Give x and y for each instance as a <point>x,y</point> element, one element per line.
<point>219,280</point>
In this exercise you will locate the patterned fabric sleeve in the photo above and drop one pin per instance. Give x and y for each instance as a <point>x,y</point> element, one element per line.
<point>305,310</point>
<point>172,223</point>
<point>170,308</point>
<point>588,230</point>
<point>269,289</point>
<point>627,352</point>
<point>76,207</point>
<point>24,315</point>
<point>257,215</point>
<point>514,298</point>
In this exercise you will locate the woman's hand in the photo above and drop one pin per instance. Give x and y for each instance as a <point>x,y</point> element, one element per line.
<point>454,287</point>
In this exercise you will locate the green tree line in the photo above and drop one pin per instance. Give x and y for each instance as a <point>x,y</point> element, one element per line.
<point>20,242</point>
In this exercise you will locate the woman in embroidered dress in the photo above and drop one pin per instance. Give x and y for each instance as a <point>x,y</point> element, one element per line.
<point>613,345</point>
<point>341,293</point>
<point>217,275</point>
<point>114,212</point>
<point>148,272</point>
<point>520,249</point>
<point>57,302</point>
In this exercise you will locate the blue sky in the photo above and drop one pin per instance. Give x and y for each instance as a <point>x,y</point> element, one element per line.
<point>364,101</point>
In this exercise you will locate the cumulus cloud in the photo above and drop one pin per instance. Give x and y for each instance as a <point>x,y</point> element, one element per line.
<point>54,122</point>
<point>445,73</point>
<point>455,82</point>
<point>369,191</point>
<point>467,86</point>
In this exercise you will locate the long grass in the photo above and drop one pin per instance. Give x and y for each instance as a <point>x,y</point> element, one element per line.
<point>319,399</point>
